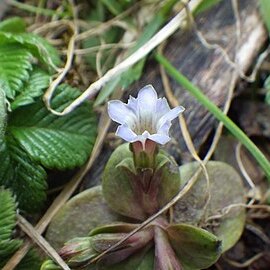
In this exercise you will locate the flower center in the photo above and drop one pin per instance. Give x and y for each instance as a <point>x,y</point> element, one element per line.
<point>144,123</point>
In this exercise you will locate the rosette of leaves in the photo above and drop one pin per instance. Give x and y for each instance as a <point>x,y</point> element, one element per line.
<point>32,138</point>
<point>9,246</point>
<point>183,239</point>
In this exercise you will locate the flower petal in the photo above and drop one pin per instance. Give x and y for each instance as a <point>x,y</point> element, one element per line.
<point>169,116</point>
<point>162,107</point>
<point>164,129</point>
<point>126,133</point>
<point>133,104</point>
<point>159,138</point>
<point>147,100</point>
<point>121,113</point>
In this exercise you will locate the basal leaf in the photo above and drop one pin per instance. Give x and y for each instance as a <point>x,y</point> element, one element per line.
<point>55,142</point>
<point>23,176</point>
<point>13,25</point>
<point>196,248</point>
<point>15,66</point>
<point>37,83</point>
<point>36,45</point>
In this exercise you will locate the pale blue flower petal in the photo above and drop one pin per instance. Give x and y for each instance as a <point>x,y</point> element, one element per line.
<point>169,116</point>
<point>126,133</point>
<point>121,113</point>
<point>159,138</point>
<point>133,104</point>
<point>144,117</point>
<point>164,129</point>
<point>147,100</point>
<point>162,107</point>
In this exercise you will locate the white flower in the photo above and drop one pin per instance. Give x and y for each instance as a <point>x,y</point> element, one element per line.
<point>144,117</point>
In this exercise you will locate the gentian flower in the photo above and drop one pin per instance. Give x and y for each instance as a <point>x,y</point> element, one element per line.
<point>144,117</point>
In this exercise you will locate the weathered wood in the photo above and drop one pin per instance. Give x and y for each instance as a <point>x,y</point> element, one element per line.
<point>205,67</point>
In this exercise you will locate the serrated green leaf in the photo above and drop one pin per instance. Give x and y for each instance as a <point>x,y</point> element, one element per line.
<point>13,25</point>
<point>23,176</point>
<point>265,11</point>
<point>60,142</point>
<point>7,248</point>
<point>7,245</point>
<point>15,66</point>
<point>7,214</point>
<point>36,45</point>
<point>37,83</point>
<point>7,224</point>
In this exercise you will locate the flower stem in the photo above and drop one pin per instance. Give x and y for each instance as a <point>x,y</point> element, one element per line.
<point>210,106</point>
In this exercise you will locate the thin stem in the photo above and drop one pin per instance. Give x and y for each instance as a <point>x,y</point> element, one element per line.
<point>228,123</point>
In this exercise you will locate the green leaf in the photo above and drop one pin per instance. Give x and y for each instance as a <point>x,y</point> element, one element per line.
<point>265,11</point>
<point>192,208</point>
<point>24,177</point>
<point>37,83</point>
<point>133,74</point>
<point>196,248</point>
<point>7,245</point>
<point>205,5</point>
<point>113,6</point>
<point>3,114</point>
<point>142,260</point>
<point>65,225</point>
<point>36,45</point>
<point>117,183</point>
<point>7,224</point>
<point>7,214</point>
<point>13,25</point>
<point>15,66</point>
<point>61,142</point>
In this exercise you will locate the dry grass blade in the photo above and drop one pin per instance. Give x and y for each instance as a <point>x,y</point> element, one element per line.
<point>40,241</point>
